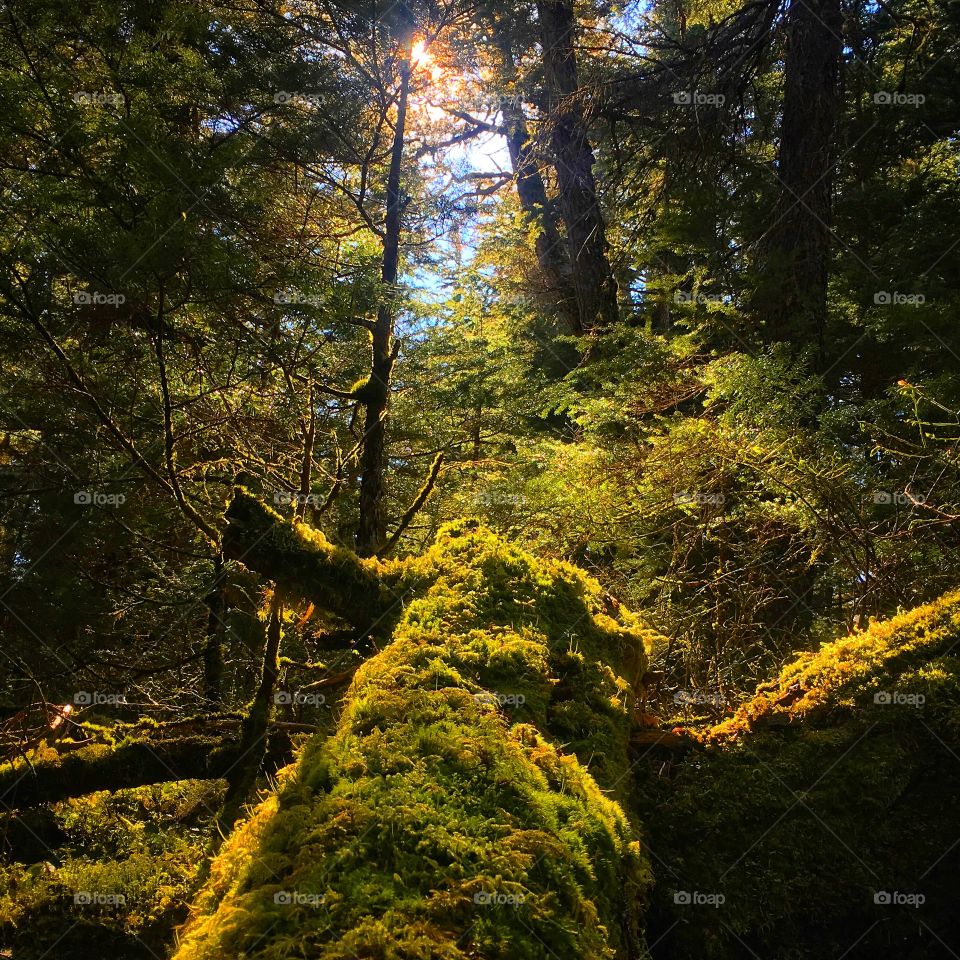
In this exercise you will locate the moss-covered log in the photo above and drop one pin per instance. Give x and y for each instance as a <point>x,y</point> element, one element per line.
<point>52,775</point>
<point>472,801</point>
<point>822,818</point>
<point>306,563</point>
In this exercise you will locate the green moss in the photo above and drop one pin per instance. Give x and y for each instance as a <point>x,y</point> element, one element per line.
<point>903,651</point>
<point>368,390</point>
<point>460,808</point>
<point>119,878</point>
<point>313,567</point>
<point>837,782</point>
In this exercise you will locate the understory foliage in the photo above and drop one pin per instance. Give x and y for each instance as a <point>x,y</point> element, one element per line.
<point>107,873</point>
<point>715,494</point>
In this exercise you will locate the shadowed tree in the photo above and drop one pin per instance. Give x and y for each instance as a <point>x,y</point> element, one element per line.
<point>592,279</point>
<point>795,250</point>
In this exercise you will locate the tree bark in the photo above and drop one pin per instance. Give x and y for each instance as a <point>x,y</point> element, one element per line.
<point>373,526</point>
<point>531,189</point>
<point>593,283</point>
<point>213,648</point>
<point>796,249</point>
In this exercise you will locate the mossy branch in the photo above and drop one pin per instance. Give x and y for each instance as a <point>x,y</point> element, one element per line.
<point>303,561</point>
<point>104,767</point>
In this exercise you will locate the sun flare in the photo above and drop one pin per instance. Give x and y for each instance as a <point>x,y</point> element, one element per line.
<point>419,55</point>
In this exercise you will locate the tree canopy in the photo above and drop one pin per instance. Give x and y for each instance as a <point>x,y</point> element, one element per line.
<point>465,449</point>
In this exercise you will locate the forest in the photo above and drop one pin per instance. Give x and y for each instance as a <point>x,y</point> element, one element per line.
<point>479,480</point>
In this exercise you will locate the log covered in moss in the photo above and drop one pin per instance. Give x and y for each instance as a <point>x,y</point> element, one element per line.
<point>826,811</point>
<point>306,563</point>
<point>52,775</point>
<point>472,801</point>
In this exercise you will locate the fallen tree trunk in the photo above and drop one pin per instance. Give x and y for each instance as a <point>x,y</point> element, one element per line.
<point>105,767</point>
<point>474,793</point>
<point>305,562</point>
<point>828,803</point>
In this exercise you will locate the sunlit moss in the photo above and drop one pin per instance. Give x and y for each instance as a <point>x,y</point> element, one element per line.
<point>467,804</point>
<point>838,781</point>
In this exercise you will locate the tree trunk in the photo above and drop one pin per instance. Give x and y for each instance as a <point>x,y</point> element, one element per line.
<point>308,429</point>
<point>531,190</point>
<point>373,526</point>
<point>796,248</point>
<point>213,649</point>
<point>253,739</point>
<point>440,817</point>
<point>256,725</point>
<point>594,287</point>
